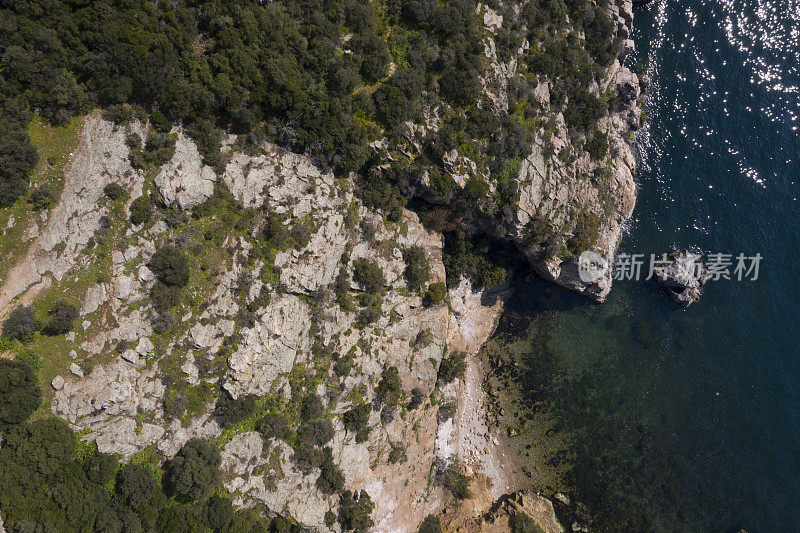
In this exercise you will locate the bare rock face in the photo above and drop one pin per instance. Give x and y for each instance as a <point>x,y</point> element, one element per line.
<point>185,181</point>
<point>68,227</point>
<point>683,277</point>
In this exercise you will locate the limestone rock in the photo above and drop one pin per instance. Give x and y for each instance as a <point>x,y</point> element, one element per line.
<point>93,299</point>
<point>185,181</point>
<point>76,370</point>
<point>57,383</point>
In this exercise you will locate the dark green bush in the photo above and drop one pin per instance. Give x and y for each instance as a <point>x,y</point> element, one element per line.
<point>114,191</point>
<point>417,397</point>
<point>230,411</point>
<point>18,156</point>
<point>118,114</point>
<point>170,266</point>
<point>43,198</point>
<point>312,407</point>
<point>331,479</point>
<point>457,483</point>
<point>19,393</point>
<point>437,292</point>
<point>398,454</point>
<point>62,316</point>
<point>431,524</point>
<point>355,510</point>
<point>141,210</point>
<point>597,146</point>
<point>453,367</point>
<point>357,418</point>
<point>273,426</point>
<point>193,473</point>
<point>369,275</point>
<point>587,230</point>
<point>315,433</point>
<point>20,324</point>
<point>164,297</point>
<point>218,513</point>
<point>417,271</point>
<point>522,523</point>
<point>135,485</point>
<point>390,388</point>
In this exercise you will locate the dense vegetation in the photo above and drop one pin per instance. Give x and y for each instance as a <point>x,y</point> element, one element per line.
<point>51,481</point>
<point>284,72</point>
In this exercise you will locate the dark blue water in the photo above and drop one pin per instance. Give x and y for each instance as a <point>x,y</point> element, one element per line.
<point>689,420</point>
<point>720,170</point>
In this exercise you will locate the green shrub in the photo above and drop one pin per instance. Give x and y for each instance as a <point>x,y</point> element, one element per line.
<point>170,266</point>
<point>218,513</point>
<point>417,271</point>
<point>369,275</point>
<point>431,524</point>
<point>18,156</point>
<point>159,148</point>
<point>417,397</point>
<point>62,316</point>
<point>114,191</point>
<point>398,454</point>
<point>194,471</point>
<point>230,411</point>
<point>307,458</point>
<point>437,292</point>
<point>43,198</point>
<point>357,418</point>
<point>331,479</point>
<point>312,407</point>
<point>315,433</point>
<point>273,426</point>
<point>597,146</point>
<point>453,367</point>
<point>164,297</point>
<point>135,485</point>
<point>355,510</point>
<point>160,122</point>
<point>20,324</point>
<point>457,483</point>
<point>390,388</point>
<point>19,393</point>
<point>522,523</point>
<point>141,210</point>
<point>587,230</point>
<point>118,114</point>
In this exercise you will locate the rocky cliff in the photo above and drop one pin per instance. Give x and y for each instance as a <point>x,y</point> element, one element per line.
<point>274,308</point>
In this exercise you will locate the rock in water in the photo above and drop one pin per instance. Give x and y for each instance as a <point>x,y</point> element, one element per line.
<point>682,277</point>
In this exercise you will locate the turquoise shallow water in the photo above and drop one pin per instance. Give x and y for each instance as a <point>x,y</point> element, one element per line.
<point>690,419</point>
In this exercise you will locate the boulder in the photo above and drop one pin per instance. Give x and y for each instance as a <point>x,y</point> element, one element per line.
<point>682,277</point>
<point>76,370</point>
<point>57,383</point>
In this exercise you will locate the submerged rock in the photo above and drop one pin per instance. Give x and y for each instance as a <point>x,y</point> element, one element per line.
<point>682,277</point>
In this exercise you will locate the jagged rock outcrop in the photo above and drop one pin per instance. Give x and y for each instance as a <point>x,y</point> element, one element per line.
<point>561,187</point>
<point>682,277</point>
<point>185,181</point>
